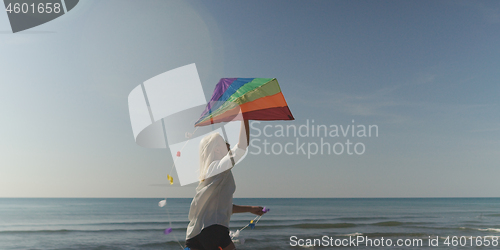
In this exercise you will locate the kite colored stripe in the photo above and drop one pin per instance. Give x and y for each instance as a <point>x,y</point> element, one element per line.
<point>254,98</point>
<point>220,88</point>
<point>221,93</point>
<point>274,101</point>
<point>270,114</point>
<point>270,88</point>
<point>236,85</point>
<point>254,85</point>
<point>239,88</point>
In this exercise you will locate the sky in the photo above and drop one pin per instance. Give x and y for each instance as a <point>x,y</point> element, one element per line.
<point>425,73</point>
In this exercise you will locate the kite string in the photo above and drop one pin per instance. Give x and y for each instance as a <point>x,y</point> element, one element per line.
<point>249,223</point>
<point>170,223</point>
<point>176,158</point>
<point>171,182</point>
<point>256,219</point>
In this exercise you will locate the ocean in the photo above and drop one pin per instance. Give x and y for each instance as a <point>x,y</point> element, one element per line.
<point>115,223</point>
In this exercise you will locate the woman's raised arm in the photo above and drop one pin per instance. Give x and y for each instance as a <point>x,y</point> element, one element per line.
<point>244,135</point>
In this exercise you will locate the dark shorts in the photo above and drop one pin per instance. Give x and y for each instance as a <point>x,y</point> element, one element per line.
<point>210,238</point>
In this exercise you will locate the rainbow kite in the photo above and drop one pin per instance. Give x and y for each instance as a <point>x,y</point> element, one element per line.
<point>257,98</point>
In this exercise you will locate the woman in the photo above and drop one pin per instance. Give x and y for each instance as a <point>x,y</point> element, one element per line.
<point>212,205</point>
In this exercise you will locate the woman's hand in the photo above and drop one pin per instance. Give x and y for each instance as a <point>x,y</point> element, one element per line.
<point>248,209</point>
<point>257,210</point>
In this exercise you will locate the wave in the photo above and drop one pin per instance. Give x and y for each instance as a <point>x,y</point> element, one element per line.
<point>436,228</point>
<point>181,222</point>
<point>126,223</point>
<point>377,235</point>
<point>36,231</point>
<point>323,225</point>
<point>362,218</point>
<point>184,223</point>
<point>300,223</point>
<point>490,229</point>
<point>103,247</point>
<point>157,245</point>
<point>263,226</point>
<point>353,234</point>
<point>388,223</point>
<point>497,230</point>
<point>153,245</point>
<point>173,243</point>
<point>396,223</point>
<point>93,247</point>
<point>459,228</point>
<point>65,231</point>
